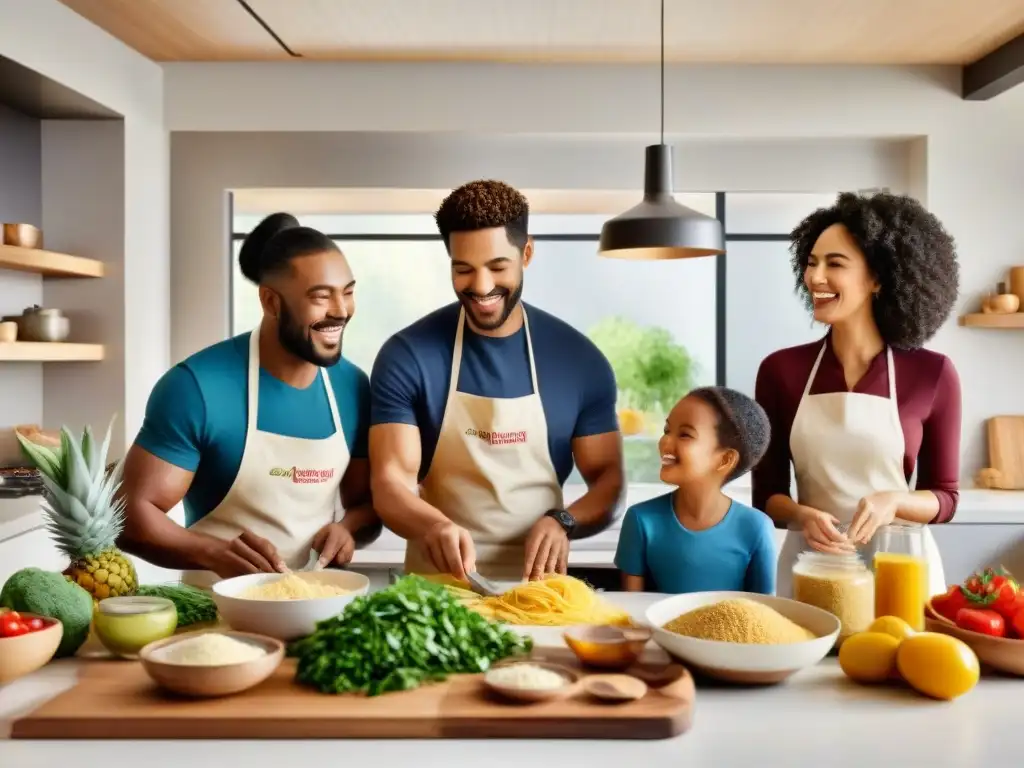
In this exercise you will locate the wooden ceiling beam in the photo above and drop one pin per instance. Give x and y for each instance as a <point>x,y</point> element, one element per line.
<point>995,73</point>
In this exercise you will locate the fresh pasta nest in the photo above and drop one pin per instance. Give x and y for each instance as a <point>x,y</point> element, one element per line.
<point>556,601</point>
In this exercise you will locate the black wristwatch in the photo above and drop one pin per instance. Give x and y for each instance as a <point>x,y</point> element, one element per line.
<point>564,519</point>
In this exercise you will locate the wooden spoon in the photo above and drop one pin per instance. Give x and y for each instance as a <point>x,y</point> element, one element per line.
<point>615,688</point>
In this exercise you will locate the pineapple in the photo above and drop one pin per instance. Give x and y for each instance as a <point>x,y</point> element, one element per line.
<point>84,517</point>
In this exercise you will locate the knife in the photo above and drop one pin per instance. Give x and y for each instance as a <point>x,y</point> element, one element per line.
<point>483,586</point>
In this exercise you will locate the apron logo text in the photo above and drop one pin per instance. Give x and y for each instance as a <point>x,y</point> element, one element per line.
<point>303,476</point>
<point>499,438</point>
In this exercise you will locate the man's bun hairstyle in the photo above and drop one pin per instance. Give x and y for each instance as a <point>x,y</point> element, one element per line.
<point>275,241</point>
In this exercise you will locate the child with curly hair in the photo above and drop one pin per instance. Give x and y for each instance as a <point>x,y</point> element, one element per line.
<point>696,538</point>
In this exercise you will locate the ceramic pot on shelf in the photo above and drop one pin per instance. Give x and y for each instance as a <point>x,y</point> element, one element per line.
<point>39,324</point>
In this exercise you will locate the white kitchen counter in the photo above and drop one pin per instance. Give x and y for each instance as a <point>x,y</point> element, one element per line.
<point>977,507</point>
<point>817,719</point>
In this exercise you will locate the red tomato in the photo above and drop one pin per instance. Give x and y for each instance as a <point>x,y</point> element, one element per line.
<point>984,621</point>
<point>11,626</point>
<point>1017,624</point>
<point>35,624</point>
<point>950,604</point>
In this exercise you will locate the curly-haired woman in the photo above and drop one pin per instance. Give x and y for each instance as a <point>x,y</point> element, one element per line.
<point>858,412</point>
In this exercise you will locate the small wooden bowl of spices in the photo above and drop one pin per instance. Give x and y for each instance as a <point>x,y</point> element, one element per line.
<point>532,681</point>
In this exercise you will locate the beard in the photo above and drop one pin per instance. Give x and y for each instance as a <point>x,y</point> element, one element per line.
<point>298,338</point>
<point>492,321</point>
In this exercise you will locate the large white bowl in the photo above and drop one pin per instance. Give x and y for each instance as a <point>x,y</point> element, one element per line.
<point>743,662</point>
<point>284,619</point>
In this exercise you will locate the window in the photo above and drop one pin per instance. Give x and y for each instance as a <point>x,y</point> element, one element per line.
<point>634,311</point>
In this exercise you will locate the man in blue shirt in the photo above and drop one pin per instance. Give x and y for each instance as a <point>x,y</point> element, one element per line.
<point>481,408</point>
<point>262,436</point>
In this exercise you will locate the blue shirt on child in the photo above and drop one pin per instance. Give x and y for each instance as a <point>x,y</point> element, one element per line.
<point>737,554</point>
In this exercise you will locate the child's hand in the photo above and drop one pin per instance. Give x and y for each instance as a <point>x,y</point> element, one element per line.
<point>821,532</point>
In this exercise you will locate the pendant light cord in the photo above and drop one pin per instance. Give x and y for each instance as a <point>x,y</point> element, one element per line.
<point>662,71</point>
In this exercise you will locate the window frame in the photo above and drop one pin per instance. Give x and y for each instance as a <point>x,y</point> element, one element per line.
<point>636,492</point>
<point>721,277</point>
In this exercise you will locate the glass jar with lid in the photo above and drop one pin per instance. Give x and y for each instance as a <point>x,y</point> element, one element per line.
<point>901,573</point>
<point>843,585</point>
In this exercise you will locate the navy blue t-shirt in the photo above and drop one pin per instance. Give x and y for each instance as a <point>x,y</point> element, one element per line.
<point>409,382</point>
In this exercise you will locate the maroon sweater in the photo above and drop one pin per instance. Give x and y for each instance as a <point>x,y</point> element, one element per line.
<point>928,398</point>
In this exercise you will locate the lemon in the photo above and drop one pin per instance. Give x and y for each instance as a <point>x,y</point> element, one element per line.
<point>938,665</point>
<point>891,625</point>
<point>869,657</point>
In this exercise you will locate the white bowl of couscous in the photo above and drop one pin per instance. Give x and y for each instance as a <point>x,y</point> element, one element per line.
<point>759,638</point>
<point>286,606</point>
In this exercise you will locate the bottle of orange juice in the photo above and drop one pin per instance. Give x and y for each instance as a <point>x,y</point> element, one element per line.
<point>901,574</point>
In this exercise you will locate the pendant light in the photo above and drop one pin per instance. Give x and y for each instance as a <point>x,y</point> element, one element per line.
<point>659,227</point>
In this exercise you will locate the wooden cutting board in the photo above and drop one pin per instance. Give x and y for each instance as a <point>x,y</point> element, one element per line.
<point>116,698</point>
<point>1005,454</point>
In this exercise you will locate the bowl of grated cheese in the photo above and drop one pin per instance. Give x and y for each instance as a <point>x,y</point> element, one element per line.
<point>286,606</point>
<point>211,663</point>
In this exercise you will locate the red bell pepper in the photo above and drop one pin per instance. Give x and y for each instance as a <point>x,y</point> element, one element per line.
<point>983,621</point>
<point>994,590</point>
<point>950,604</point>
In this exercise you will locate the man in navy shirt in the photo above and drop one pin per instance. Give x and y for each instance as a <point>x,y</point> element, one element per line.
<point>480,409</point>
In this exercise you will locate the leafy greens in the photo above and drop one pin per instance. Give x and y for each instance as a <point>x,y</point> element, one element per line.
<point>398,638</point>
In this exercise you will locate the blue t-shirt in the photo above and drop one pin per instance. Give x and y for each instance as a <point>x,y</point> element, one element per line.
<point>197,413</point>
<point>738,554</point>
<point>409,383</point>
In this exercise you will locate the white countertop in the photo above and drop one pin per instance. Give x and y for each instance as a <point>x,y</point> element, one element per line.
<point>817,719</point>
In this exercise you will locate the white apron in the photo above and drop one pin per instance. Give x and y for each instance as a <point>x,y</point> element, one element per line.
<point>845,446</point>
<point>491,472</point>
<point>286,489</point>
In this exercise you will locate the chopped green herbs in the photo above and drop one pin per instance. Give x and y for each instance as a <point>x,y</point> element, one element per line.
<point>413,632</point>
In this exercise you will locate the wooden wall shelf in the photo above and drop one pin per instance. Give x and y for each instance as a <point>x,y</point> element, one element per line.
<point>993,320</point>
<point>49,352</point>
<point>48,263</point>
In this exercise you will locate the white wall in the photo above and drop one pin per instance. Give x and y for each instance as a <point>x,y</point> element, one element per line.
<point>48,37</point>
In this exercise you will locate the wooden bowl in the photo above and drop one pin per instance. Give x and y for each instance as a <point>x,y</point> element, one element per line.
<point>615,689</point>
<point>24,654</point>
<point>530,696</point>
<point>1003,654</point>
<point>209,681</point>
<point>23,235</point>
<point>607,647</point>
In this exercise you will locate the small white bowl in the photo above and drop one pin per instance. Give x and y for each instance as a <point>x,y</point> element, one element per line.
<point>744,662</point>
<point>284,619</point>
